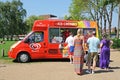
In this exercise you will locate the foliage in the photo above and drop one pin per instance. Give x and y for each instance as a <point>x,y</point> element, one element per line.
<point>117,1</point>
<point>78,10</point>
<point>12,16</point>
<point>116,43</point>
<point>30,20</point>
<point>97,10</point>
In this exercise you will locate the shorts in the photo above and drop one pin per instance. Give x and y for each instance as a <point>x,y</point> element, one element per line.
<point>93,56</point>
<point>71,50</point>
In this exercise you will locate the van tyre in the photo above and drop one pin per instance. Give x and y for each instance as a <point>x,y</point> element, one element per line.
<point>23,57</point>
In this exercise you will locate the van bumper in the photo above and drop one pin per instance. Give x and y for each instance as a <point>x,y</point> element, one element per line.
<point>11,55</point>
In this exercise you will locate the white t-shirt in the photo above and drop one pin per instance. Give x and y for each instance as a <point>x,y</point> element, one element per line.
<point>70,40</point>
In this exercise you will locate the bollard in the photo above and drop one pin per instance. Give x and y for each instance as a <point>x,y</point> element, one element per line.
<point>3,53</point>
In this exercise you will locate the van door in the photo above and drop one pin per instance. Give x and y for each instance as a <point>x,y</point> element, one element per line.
<point>37,44</point>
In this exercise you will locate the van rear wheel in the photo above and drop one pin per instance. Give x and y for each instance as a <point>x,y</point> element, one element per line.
<point>23,57</point>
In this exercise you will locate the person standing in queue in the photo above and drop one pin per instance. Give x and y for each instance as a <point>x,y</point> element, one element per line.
<point>85,45</point>
<point>93,45</point>
<point>105,52</point>
<point>78,59</point>
<point>69,41</point>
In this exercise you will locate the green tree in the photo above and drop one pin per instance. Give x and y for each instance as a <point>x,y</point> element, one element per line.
<point>1,19</point>
<point>4,15</point>
<point>78,10</point>
<point>30,20</point>
<point>118,28</point>
<point>118,1</point>
<point>17,17</point>
<point>97,10</point>
<point>108,12</point>
<point>12,16</point>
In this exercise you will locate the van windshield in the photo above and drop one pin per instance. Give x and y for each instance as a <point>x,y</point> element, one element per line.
<point>35,37</point>
<point>28,35</point>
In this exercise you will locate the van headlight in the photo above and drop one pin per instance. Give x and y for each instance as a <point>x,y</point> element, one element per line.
<point>14,45</point>
<point>11,49</point>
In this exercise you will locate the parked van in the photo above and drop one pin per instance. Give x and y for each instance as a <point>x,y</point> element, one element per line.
<point>46,37</point>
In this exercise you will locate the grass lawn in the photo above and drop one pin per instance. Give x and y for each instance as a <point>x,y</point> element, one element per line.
<point>6,47</point>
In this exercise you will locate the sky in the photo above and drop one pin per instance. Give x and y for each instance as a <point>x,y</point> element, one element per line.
<point>59,8</point>
<point>41,7</point>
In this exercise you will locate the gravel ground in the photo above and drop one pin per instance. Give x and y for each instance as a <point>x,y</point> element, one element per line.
<point>57,70</point>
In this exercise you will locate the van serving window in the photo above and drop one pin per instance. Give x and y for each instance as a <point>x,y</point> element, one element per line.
<point>55,35</point>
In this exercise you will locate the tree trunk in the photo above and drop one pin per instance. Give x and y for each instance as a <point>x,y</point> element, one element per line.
<point>118,22</point>
<point>110,20</point>
<point>105,19</point>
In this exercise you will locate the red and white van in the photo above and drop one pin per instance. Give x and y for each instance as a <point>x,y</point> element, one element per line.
<point>45,38</point>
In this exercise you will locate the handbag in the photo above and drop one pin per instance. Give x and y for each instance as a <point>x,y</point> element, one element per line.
<point>86,57</point>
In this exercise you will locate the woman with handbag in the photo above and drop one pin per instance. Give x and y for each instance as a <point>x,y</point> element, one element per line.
<point>78,59</point>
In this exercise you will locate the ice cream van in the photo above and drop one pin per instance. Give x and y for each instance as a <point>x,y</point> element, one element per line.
<point>45,39</point>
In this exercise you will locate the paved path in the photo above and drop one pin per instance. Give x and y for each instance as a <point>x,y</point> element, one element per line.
<point>57,70</point>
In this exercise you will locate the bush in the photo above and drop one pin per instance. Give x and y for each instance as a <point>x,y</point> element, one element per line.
<point>116,43</point>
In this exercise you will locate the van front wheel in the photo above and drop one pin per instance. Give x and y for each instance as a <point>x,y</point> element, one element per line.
<point>23,57</point>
